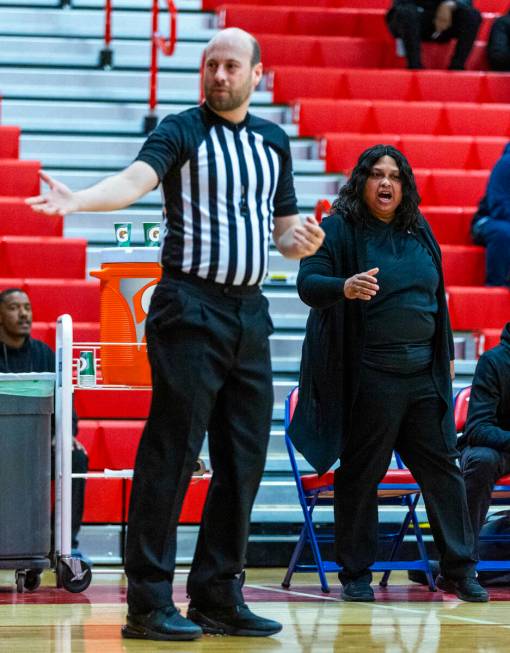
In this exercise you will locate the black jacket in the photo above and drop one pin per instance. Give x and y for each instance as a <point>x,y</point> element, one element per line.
<point>488,419</point>
<point>430,5</point>
<point>33,356</point>
<point>335,336</point>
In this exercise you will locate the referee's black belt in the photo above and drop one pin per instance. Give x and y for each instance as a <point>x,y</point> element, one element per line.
<point>219,289</point>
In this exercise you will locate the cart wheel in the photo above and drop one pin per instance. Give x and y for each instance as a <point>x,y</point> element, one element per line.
<point>67,578</point>
<point>20,577</point>
<point>32,580</point>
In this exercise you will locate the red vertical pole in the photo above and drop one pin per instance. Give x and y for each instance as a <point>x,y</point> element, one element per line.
<point>154,58</point>
<point>108,24</point>
<point>106,54</point>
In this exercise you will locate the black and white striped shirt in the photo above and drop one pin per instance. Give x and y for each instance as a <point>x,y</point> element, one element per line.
<point>222,184</point>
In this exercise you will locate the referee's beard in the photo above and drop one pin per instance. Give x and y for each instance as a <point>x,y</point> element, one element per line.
<point>229,98</point>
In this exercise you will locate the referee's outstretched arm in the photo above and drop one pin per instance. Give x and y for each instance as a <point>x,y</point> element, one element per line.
<point>109,194</point>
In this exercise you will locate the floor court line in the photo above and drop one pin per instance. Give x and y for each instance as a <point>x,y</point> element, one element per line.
<point>379,606</point>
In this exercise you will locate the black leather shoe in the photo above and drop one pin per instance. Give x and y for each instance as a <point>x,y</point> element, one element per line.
<point>358,589</point>
<point>466,589</point>
<point>236,620</point>
<point>160,624</point>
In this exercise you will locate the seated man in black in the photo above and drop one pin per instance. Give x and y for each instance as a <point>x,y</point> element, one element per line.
<point>21,353</point>
<point>414,21</point>
<point>485,444</point>
<point>498,47</point>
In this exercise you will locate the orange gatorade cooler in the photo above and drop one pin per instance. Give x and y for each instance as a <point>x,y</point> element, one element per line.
<point>128,277</point>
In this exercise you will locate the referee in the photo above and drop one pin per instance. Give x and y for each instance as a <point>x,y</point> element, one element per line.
<point>227,184</point>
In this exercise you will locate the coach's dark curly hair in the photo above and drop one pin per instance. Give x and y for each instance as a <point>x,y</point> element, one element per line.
<point>350,197</point>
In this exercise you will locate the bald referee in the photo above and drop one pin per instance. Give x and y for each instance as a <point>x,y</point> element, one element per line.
<point>227,183</point>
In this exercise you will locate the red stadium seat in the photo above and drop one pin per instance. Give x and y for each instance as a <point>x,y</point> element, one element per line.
<point>451,225</point>
<point>407,117</point>
<point>474,308</point>
<point>42,257</point>
<point>452,188</point>
<point>486,120</point>
<point>341,151</point>
<point>9,142</point>
<point>496,88</point>
<point>487,339</point>
<point>120,439</point>
<point>53,297</point>
<point>82,332</point>
<point>288,83</point>
<point>11,283</point>
<point>319,116</point>
<point>18,219</point>
<point>377,85</point>
<point>488,150</point>
<point>112,404</point>
<point>41,331</point>
<point>103,501</point>
<point>19,178</point>
<point>463,265</point>
<point>89,436</point>
<point>438,151</point>
<point>442,86</point>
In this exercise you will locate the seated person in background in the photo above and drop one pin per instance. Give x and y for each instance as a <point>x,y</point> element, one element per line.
<point>485,444</point>
<point>490,226</point>
<point>19,352</point>
<point>414,21</point>
<point>498,47</point>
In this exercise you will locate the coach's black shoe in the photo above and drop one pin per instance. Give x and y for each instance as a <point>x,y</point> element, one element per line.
<point>466,589</point>
<point>237,620</point>
<point>161,624</point>
<point>358,589</point>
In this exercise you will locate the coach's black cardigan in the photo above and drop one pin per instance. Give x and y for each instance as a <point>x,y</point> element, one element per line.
<point>335,336</point>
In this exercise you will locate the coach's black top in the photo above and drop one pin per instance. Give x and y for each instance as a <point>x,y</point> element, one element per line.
<point>401,318</point>
<point>222,184</point>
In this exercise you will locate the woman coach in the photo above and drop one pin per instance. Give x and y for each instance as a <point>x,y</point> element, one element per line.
<point>376,367</point>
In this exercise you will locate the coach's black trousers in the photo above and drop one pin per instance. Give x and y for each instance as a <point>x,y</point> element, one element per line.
<point>402,413</point>
<point>209,353</point>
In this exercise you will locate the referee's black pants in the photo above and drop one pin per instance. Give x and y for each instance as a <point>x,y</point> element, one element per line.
<point>402,413</point>
<point>209,353</point>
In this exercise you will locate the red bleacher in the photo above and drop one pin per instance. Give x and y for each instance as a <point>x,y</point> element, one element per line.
<point>289,83</point>
<point>9,142</point>
<point>317,116</point>
<point>18,219</point>
<point>341,151</point>
<point>322,21</point>
<point>112,444</point>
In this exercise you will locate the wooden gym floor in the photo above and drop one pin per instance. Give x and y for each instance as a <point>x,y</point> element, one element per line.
<point>405,618</point>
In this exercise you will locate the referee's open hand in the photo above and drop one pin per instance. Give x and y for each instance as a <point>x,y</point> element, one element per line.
<point>308,237</point>
<point>58,200</point>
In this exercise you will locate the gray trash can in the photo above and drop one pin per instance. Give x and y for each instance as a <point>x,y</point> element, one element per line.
<point>26,406</point>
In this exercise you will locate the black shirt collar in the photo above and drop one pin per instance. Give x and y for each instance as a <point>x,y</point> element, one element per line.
<point>213,118</point>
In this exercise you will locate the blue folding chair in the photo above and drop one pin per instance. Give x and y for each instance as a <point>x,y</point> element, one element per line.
<point>398,487</point>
